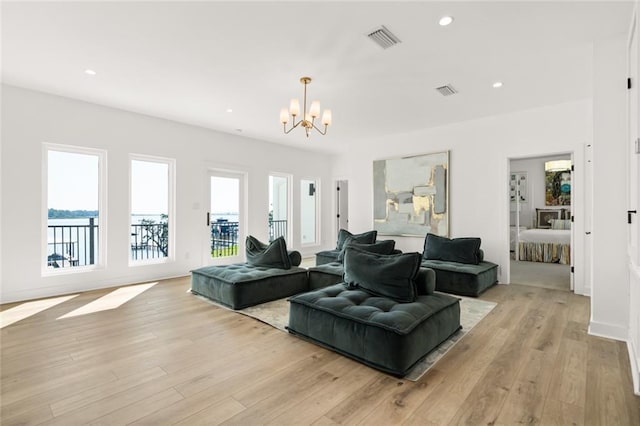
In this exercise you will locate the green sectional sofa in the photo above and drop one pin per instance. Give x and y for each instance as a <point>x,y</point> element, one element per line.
<point>271,272</point>
<point>459,265</point>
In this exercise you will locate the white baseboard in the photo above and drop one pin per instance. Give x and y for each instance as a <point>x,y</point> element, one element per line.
<point>608,331</point>
<point>90,285</point>
<point>634,359</point>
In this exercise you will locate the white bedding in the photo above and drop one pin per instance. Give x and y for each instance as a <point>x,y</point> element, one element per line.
<point>555,236</point>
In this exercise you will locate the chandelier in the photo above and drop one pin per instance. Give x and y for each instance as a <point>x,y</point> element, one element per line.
<point>308,118</point>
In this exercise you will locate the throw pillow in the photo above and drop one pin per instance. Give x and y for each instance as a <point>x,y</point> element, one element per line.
<point>272,255</point>
<point>560,224</point>
<point>461,250</point>
<point>393,276</point>
<point>368,237</point>
<point>380,247</point>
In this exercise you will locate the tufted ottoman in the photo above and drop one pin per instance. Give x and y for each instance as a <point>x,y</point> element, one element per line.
<point>462,278</point>
<point>383,333</point>
<point>242,285</point>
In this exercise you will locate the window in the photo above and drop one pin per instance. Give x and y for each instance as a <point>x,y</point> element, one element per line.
<point>74,221</point>
<point>151,202</point>
<point>308,211</point>
<point>278,206</point>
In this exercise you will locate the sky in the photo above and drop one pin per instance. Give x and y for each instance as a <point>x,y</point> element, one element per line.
<point>224,194</point>
<point>73,183</point>
<point>149,187</point>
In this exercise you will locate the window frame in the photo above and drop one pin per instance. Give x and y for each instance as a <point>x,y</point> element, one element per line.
<point>289,229</point>
<point>171,209</point>
<point>316,241</point>
<point>102,208</point>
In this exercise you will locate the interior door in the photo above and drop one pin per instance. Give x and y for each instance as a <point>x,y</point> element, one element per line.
<point>634,149</point>
<point>224,221</point>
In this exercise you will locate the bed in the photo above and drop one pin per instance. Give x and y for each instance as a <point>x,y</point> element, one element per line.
<point>545,245</point>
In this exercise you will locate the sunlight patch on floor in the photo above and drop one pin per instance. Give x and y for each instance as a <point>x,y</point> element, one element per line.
<point>27,309</point>
<point>113,300</point>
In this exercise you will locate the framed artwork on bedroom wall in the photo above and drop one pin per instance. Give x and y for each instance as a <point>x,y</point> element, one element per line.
<point>411,195</point>
<point>557,183</point>
<point>545,216</point>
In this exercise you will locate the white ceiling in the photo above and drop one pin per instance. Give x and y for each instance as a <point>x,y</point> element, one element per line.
<point>190,62</point>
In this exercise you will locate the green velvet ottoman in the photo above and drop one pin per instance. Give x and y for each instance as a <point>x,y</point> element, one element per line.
<point>463,278</point>
<point>241,285</point>
<point>383,333</point>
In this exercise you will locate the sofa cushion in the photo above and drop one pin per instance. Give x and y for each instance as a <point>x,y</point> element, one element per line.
<point>390,276</point>
<point>380,247</point>
<point>368,237</point>
<point>461,250</point>
<point>272,255</point>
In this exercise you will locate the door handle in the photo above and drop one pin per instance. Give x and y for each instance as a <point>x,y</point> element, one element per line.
<point>208,219</point>
<point>629,213</point>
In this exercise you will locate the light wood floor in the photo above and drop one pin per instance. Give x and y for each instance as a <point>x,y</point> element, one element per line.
<point>166,357</point>
<point>538,274</point>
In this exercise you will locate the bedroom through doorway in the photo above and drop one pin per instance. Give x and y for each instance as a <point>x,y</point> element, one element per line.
<point>540,221</point>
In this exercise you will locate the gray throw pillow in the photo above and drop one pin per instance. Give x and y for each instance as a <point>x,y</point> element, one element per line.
<point>368,237</point>
<point>391,276</point>
<point>461,250</point>
<point>380,247</point>
<point>272,255</point>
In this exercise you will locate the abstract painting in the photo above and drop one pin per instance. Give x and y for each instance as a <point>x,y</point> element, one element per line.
<point>411,195</point>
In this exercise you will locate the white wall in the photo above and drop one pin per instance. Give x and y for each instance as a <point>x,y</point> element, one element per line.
<point>30,118</point>
<point>480,150</point>
<point>610,286</point>
<point>534,167</point>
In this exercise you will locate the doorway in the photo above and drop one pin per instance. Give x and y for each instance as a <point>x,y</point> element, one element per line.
<point>540,221</point>
<point>225,224</point>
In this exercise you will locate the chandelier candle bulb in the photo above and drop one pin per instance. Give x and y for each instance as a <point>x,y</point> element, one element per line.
<point>314,111</point>
<point>326,117</point>
<point>284,116</point>
<point>294,107</point>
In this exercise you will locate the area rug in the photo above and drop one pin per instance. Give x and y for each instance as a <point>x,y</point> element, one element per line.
<point>472,311</point>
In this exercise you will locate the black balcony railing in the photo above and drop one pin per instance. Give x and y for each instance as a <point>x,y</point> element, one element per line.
<point>149,241</point>
<point>277,228</point>
<point>72,245</point>
<point>224,238</point>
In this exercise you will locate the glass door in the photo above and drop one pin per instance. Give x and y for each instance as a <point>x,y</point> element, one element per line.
<point>225,233</point>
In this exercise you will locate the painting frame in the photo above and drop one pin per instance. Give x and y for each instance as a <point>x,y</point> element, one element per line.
<point>545,216</point>
<point>411,195</point>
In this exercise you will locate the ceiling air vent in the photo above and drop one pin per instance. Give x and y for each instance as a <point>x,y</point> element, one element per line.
<point>446,90</point>
<point>383,37</point>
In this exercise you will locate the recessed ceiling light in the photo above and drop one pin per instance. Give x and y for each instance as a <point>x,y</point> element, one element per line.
<point>229,110</point>
<point>497,84</point>
<point>445,20</point>
<point>90,72</point>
